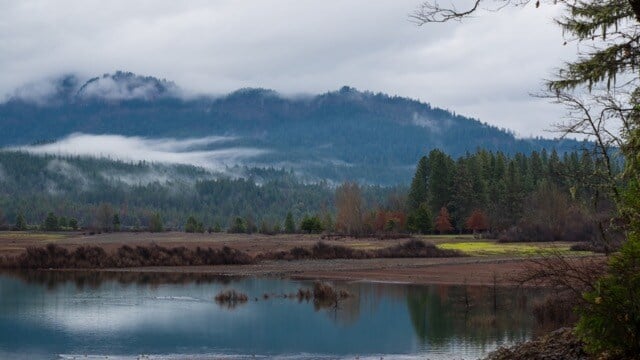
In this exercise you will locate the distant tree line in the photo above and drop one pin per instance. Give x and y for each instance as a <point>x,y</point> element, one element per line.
<point>541,196</point>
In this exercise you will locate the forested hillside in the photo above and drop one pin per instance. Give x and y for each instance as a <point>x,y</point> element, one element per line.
<point>540,197</point>
<point>93,190</point>
<point>340,135</point>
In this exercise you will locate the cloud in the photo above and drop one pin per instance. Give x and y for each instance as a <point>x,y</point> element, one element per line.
<point>170,151</point>
<point>69,172</point>
<point>127,86</point>
<point>485,67</point>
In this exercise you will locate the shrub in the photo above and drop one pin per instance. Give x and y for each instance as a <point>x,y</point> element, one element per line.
<point>311,225</point>
<point>231,298</point>
<point>85,257</point>
<point>610,320</point>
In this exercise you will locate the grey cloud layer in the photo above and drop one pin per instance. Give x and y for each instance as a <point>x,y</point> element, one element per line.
<point>484,68</point>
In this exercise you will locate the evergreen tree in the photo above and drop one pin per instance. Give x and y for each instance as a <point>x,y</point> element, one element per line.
<point>21,224</point>
<point>289,224</point>
<point>311,224</point>
<point>420,221</point>
<point>440,179</point>
<point>418,192</point>
<point>238,226</point>
<point>116,222</point>
<point>462,194</point>
<point>62,222</point>
<point>51,222</point>
<point>191,226</point>
<point>155,223</point>
<point>73,224</point>
<point>512,206</point>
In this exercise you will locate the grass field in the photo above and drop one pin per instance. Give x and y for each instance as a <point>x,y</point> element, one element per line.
<point>35,236</point>
<point>492,248</point>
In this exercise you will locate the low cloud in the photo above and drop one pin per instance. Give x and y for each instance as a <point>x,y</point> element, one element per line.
<point>436,127</point>
<point>165,150</point>
<point>69,172</point>
<point>127,86</point>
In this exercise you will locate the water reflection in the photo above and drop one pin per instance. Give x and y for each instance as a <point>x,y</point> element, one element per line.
<point>123,313</point>
<point>94,279</point>
<point>478,314</point>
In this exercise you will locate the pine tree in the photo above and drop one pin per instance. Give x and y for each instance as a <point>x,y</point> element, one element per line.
<point>21,224</point>
<point>51,222</point>
<point>116,222</point>
<point>73,224</point>
<point>289,224</point>
<point>191,225</point>
<point>62,223</point>
<point>421,220</point>
<point>462,194</point>
<point>418,192</point>
<point>155,223</point>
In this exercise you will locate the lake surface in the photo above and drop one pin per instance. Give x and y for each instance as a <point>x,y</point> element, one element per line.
<point>54,315</point>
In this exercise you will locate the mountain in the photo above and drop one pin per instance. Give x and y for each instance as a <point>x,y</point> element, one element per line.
<point>339,135</point>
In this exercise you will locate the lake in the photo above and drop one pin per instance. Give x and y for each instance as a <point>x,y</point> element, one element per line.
<point>99,315</point>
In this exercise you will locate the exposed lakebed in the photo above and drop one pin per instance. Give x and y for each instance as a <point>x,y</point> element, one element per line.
<point>53,315</point>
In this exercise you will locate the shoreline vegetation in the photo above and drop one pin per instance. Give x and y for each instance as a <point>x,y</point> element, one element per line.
<point>54,256</point>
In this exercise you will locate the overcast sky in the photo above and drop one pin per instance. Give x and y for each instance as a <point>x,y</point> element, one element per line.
<point>485,67</point>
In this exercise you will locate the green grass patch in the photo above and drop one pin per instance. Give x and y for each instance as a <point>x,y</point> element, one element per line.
<point>25,235</point>
<point>489,248</point>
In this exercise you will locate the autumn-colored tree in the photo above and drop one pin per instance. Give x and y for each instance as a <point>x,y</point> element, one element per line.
<point>443,221</point>
<point>477,221</point>
<point>389,220</point>
<point>104,217</point>
<point>349,209</point>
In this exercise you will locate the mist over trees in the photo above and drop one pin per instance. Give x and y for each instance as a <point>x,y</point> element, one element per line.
<point>483,192</point>
<point>336,136</point>
<point>108,195</point>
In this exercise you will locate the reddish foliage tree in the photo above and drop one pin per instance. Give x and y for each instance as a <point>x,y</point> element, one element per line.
<point>477,221</point>
<point>383,219</point>
<point>443,221</point>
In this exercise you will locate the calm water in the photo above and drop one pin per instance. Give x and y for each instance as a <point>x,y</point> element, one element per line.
<point>122,316</point>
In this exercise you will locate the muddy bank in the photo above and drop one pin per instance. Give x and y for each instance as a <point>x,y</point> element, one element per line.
<point>559,344</point>
<point>470,271</point>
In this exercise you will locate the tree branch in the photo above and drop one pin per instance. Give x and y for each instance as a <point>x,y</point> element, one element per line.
<point>432,12</point>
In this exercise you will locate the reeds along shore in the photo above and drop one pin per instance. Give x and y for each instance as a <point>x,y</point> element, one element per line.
<point>53,256</point>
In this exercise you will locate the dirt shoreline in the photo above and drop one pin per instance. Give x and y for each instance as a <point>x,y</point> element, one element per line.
<point>417,271</point>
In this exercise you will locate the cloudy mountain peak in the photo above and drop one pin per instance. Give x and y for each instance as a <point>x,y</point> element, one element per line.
<point>127,86</point>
